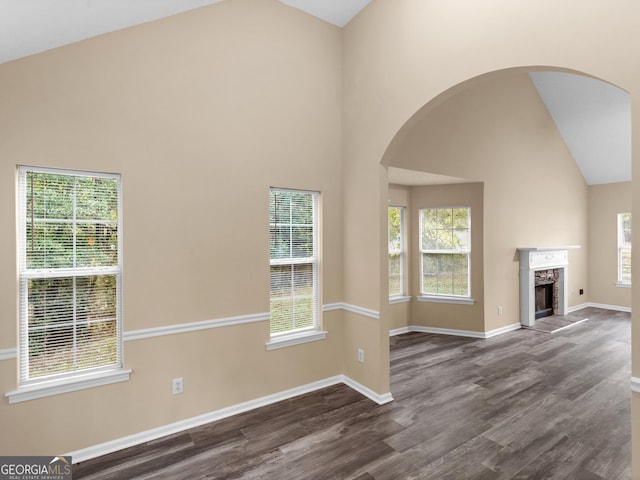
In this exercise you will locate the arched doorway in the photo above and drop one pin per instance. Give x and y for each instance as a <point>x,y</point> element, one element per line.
<point>497,131</point>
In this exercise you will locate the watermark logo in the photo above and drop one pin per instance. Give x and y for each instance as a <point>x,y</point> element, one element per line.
<point>35,468</point>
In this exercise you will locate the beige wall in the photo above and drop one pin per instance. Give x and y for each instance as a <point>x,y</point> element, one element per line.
<point>200,113</point>
<point>444,315</point>
<point>498,131</point>
<point>605,203</point>
<point>402,55</point>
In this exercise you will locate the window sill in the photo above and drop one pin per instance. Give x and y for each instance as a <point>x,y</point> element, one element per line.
<point>56,387</point>
<point>399,299</point>
<point>623,285</point>
<point>295,339</point>
<point>446,299</point>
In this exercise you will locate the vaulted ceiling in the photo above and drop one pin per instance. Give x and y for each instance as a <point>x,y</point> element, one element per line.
<point>592,116</point>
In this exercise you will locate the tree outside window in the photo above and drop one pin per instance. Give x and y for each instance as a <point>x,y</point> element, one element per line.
<point>445,248</point>
<point>69,273</point>
<point>396,251</point>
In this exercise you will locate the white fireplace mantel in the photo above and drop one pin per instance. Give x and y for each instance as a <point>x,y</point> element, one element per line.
<point>542,258</point>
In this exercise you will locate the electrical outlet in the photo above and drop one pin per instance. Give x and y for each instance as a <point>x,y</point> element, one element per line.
<point>178,386</point>
<point>361,355</point>
<point>499,310</point>
<point>581,291</point>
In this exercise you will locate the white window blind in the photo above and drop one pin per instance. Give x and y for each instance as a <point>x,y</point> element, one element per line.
<point>70,273</point>
<point>293,245</point>
<point>624,248</point>
<point>445,249</point>
<point>396,251</point>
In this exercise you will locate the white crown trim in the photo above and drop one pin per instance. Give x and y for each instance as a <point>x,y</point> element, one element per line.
<point>8,353</point>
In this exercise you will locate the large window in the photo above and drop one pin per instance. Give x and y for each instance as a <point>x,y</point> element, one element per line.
<point>396,251</point>
<point>293,222</point>
<point>70,273</point>
<point>624,248</point>
<point>445,249</point>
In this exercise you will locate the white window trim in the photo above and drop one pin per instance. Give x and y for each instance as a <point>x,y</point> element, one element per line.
<point>402,252</point>
<point>460,300</point>
<point>66,385</point>
<point>393,299</point>
<point>314,332</point>
<point>82,379</point>
<point>445,298</point>
<point>290,340</point>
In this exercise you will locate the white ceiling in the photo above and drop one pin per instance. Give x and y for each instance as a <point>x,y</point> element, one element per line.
<point>337,12</point>
<point>32,26</point>
<point>593,117</point>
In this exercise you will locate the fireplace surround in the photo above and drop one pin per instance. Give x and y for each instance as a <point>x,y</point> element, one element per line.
<point>539,262</point>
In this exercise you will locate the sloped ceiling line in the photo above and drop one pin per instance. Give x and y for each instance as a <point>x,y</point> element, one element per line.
<point>593,117</point>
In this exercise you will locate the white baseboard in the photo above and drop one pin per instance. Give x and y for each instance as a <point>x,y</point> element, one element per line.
<point>501,330</point>
<point>459,333</point>
<point>497,331</point>
<point>608,307</point>
<point>575,308</point>
<point>105,448</point>
<point>399,331</point>
<point>380,399</point>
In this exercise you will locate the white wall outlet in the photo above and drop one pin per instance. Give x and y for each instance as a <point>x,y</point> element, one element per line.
<point>361,355</point>
<point>178,386</point>
<point>499,310</point>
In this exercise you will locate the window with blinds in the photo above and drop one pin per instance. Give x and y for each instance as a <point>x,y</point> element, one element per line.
<point>624,248</point>
<point>70,273</point>
<point>293,246</point>
<point>445,248</point>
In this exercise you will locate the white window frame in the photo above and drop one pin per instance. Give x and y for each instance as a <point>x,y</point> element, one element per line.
<point>46,385</point>
<point>313,332</point>
<point>622,282</point>
<point>400,250</point>
<point>435,296</point>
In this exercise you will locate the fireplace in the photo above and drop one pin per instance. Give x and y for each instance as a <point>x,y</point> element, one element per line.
<point>543,282</point>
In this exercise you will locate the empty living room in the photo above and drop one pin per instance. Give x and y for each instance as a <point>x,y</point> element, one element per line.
<point>425,271</point>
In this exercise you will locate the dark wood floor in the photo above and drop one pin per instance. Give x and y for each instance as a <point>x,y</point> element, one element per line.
<point>523,405</point>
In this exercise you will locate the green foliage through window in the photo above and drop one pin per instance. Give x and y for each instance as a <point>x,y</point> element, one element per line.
<point>445,247</point>
<point>70,272</point>
<point>396,247</point>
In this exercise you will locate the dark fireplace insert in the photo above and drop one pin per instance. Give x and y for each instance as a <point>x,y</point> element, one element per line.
<point>544,300</point>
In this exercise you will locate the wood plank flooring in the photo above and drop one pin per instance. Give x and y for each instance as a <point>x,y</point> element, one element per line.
<point>523,405</point>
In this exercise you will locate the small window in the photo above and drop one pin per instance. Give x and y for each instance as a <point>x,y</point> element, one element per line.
<point>445,249</point>
<point>70,273</point>
<point>396,251</point>
<point>293,225</point>
<point>624,248</point>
